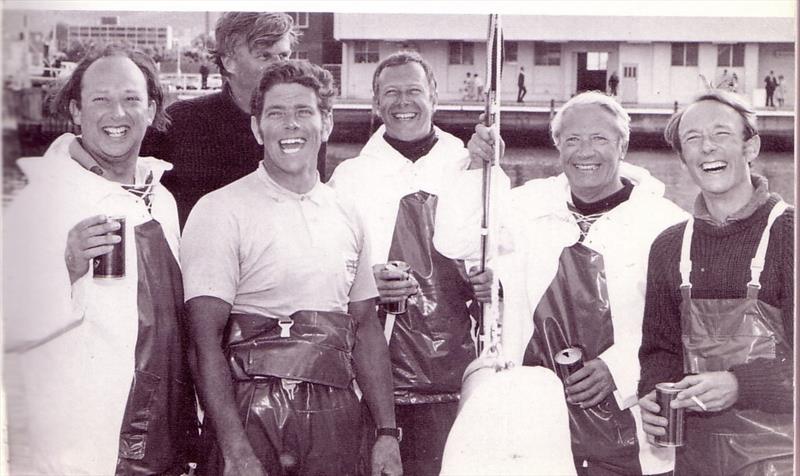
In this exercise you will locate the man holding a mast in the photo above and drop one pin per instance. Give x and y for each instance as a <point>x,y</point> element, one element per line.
<point>394,182</point>
<point>577,271</point>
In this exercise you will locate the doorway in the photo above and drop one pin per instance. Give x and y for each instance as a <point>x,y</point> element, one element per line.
<point>592,71</point>
<point>629,86</point>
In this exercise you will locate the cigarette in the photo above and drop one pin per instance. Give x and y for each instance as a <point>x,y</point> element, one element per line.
<point>699,403</point>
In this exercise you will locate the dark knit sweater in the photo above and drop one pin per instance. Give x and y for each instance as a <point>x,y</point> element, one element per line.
<point>413,150</point>
<point>209,143</point>
<point>720,270</point>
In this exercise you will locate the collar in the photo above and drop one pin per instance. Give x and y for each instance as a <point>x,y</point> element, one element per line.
<point>279,193</point>
<point>143,172</point>
<point>759,198</point>
<point>379,150</point>
<point>413,150</point>
<point>58,165</point>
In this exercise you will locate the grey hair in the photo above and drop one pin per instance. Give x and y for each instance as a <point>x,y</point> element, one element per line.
<point>622,119</point>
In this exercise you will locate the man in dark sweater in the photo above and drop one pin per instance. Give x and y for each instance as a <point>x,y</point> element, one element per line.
<point>738,389</point>
<point>210,143</point>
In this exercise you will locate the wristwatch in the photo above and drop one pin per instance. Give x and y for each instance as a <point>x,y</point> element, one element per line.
<point>395,432</point>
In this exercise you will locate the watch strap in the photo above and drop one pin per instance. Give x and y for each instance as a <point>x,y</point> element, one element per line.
<point>395,432</point>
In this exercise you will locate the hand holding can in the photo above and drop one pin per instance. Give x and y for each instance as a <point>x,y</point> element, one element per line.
<point>395,285</point>
<point>568,361</point>
<point>91,237</point>
<point>676,425</point>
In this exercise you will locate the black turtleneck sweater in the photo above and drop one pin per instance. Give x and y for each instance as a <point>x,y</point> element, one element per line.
<point>604,204</point>
<point>413,150</point>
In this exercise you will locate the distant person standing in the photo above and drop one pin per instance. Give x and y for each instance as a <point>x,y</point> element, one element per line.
<point>521,89</point>
<point>780,91</point>
<point>467,82</point>
<point>613,82</point>
<point>770,83</point>
<point>724,80</point>
<point>734,83</point>
<point>204,75</point>
<point>478,87</point>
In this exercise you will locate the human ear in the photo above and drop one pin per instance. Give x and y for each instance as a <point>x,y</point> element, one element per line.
<point>75,111</point>
<point>256,131</point>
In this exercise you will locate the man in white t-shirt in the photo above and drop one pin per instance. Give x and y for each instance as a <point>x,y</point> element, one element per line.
<point>277,271</point>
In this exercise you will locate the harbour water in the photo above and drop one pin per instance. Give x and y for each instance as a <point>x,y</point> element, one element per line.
<point>525,163</point>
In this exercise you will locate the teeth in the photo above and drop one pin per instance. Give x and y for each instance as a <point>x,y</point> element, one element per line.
<point>586,167</point>
<point>291,146</point>
<point>115,131</point>
<point>713,166</point>
<point>405,116</point>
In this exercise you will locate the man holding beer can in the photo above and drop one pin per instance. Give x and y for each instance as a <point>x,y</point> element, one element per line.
<point>93,295</point>
<point>394,183</point>
<point>719,313</point>
<point>573,251</point>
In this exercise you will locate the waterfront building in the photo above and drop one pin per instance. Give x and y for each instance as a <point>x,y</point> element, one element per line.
<point>658,60</point>
<point>110,31</point>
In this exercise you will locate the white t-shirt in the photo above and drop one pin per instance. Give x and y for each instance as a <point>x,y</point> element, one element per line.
<point>269,251</point>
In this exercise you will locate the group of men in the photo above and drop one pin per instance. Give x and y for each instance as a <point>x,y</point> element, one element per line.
<point>266,305</point>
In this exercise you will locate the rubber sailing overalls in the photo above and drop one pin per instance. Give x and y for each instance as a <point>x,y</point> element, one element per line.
<point>430,345</point>
<point>718,334</point>
<point>159,426</point>
<point>575,312</point>
<point>293,388</point>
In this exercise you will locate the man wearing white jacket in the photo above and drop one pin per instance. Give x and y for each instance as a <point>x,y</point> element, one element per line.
<point>105,385</point>
<point>575,275</point>
<point>394,183</point>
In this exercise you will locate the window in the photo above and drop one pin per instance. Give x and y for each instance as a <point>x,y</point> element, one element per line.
<point>730,55</point>
<point>510,51</point>
<point>300,19</point>
<point>366,51</point>
<point>461,53</point>
<point>629,72</point>
<point>596,61</point>
<point>684,54</point>
<point>546,54</point>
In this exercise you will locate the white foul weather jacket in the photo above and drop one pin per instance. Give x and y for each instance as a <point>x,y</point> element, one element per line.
<point>73,345</point>
<point>380,176</point>
<point>535,225</point>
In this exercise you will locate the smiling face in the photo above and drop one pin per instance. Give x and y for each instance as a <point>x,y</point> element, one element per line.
<point>405,102</point>
<point>714,150</point>
<point>114,110</point>
<point>291,128</point>
<point>590,148</point>
<point>246,64</point>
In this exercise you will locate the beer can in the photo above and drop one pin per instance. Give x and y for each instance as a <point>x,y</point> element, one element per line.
<point>398,307</point>
<point>676,425</point>
<point>112,264</point>
<point>568,361</point>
